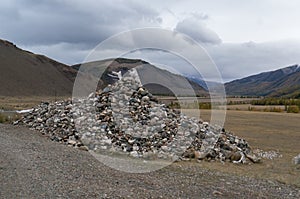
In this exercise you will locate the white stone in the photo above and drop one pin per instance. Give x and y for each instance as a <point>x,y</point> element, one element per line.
<point>134,154</point>
<point>296,159</point>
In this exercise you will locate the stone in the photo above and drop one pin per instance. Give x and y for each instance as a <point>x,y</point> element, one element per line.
<point>145,98</point>
<point>200,155</point>
<point>40,120</point>
<point>83,148</point>
<point>164,148</point>
<point>253,158</point>
<point>71,142</point>
<point>134,154</point>
<point>235,156</point>
<point>217,193</point>
<point>296,160</point>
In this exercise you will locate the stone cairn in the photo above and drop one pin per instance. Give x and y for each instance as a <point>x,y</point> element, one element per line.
<point>125,118</point>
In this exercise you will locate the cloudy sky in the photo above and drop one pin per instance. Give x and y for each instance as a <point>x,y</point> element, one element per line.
<point>241,37</point>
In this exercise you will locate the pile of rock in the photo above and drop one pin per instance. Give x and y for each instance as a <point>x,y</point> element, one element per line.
<point>126,118</point>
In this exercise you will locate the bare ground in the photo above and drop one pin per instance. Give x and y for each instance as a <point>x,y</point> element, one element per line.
<point>32,166</point>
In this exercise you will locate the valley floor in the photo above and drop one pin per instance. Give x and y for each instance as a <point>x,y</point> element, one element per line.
<point>267,131</point>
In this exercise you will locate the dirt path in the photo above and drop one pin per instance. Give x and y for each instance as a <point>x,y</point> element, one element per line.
<point>32,166</point>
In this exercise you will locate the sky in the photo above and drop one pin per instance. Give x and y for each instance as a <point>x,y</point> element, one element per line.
<point>240,37</point>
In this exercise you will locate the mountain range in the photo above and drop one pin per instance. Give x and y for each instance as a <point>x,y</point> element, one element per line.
<point>284,82</point>
<point>24,73</point>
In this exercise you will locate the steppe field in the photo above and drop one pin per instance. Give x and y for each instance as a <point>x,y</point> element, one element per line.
<point>266,131</point>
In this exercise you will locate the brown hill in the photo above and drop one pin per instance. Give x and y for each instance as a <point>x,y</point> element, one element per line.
<point>156,80</point>
<point>26,74</point>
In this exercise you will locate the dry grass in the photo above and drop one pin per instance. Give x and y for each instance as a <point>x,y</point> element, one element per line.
<point>266,131</point>
<point>19,103</point>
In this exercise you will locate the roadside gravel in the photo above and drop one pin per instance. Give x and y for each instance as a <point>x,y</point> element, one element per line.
<point>32,166</point>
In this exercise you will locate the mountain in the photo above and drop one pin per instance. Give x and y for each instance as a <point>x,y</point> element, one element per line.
<point>204,84</point>
<point>284,82</point>
<point>156,80</point>
<point>26,74</point>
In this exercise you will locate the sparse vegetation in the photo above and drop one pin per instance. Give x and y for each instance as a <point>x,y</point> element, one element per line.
<point>195,105</point>
<point>8,118</point>
<point>291,105</point>
<point>277,105</point>
<point>266,109</point>
<point>276,101</point>
<point>293,109</point>
<point>3,118</point>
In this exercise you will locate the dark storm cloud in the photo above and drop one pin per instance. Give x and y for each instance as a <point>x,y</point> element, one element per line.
<point>86,22</point>
<point>68,30</point>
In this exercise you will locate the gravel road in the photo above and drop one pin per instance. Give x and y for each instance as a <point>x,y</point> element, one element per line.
<point>32,166</point>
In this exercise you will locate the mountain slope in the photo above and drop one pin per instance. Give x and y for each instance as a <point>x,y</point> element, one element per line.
<point>156,80</point>
<point>26,74</point>
<point>284,82</point>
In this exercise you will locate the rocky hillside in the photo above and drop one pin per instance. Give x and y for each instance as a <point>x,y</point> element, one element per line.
<point>284,82</point>
<point>26,74</point>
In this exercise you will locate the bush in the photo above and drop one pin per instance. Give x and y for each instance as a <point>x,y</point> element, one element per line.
<point>205,105</point>
<point>3,118</point>
<point>9,119</point>
<point>273,109</point>
<point>276,101</point>
<point>293,109</point>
